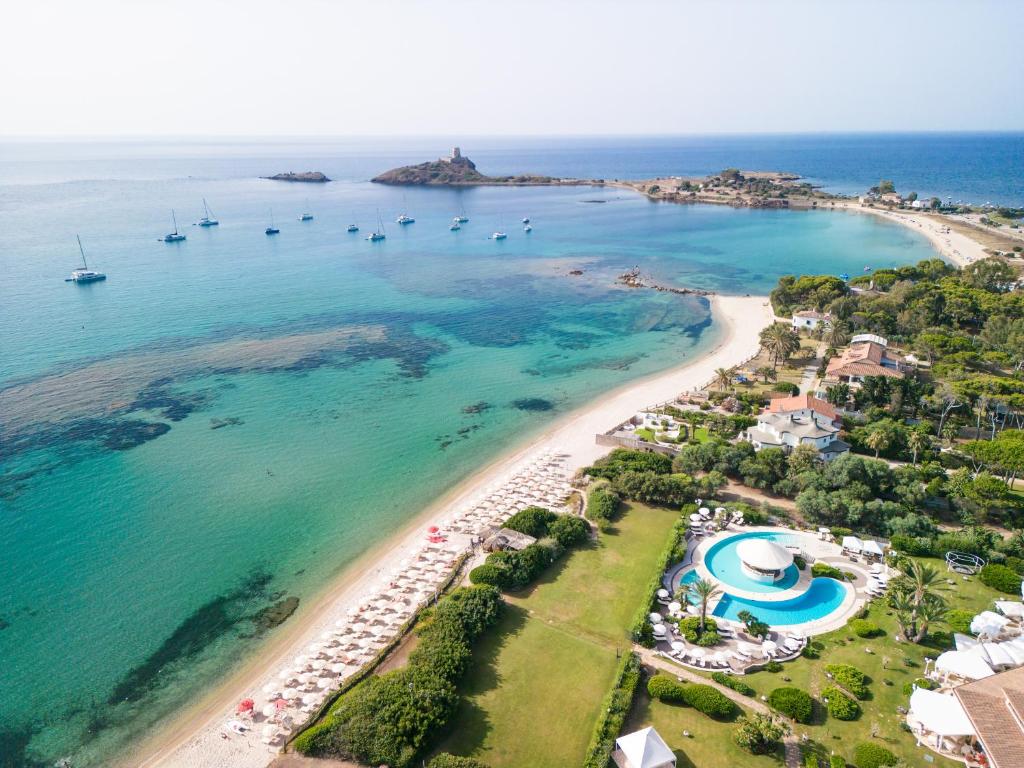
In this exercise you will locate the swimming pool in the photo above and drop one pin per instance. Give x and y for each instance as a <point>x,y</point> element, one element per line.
<point>821,598</point>
<point>724,564</point>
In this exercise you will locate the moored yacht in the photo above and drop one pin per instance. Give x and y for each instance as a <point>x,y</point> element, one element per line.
<point>378,234</point>
<point>271,230</point>
<point>403,219</point>
<point>455,226</point>
<point>527,228</point>
<point>352,228</point>
<point>498,236</point>
<point>175,236</point>
<point>83,274</point>
<point>207,220</point>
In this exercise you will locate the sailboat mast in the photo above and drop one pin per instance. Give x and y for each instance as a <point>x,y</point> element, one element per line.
<point>175,220</point>
<point>81,250</point>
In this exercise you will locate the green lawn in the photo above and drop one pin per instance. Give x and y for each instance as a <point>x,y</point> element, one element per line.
<point>537,680</point>
<point>885,663</point>
<point>709,744</point>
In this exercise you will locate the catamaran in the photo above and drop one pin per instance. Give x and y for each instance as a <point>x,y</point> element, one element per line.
<point>207,220</point>
<point>526,220</point>
<point>175,236</point>
<point>271,230</point>
<point>83,274</point>
<point>378,234</point>
<point>352,228</point>
<point>306,216</point>
<point>462,218</point>
<point>403,219</point>
<point>498,236</point>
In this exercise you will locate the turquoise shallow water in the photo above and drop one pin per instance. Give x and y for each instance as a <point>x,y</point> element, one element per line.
<point>228,421</point>
<point>724,564</point>
<point>821,598</point>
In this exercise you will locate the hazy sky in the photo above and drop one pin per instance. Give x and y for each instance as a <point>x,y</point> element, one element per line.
<point>266,67</point>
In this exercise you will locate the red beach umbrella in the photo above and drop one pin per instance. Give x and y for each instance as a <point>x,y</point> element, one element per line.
<point>281,704</point>
<point>246,705</point>
<point>433,529</point>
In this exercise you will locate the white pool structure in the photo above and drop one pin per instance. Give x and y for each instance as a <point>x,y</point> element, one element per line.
<point>757,571</point>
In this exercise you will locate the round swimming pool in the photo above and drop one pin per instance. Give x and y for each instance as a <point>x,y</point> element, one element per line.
<point>724,563</point>
<point>821,598</point>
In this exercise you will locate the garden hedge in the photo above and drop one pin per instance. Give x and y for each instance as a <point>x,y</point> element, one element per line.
<point>446,760</point>
<point>792,702</point>
<point>840,706</point>
<point>665,689</point>
<point>732,682</point>
<point>709,700</point>
<point>870,755</point>
<point>865,628</point>
<point>850,678</point>
<point>1000,578</point>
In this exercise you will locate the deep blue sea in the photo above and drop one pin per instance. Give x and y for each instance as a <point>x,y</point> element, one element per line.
<point>230,420</point>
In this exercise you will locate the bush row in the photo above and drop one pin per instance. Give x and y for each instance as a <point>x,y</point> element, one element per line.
<point>614,710</point>
<point>732,682</point>
<point>391,718</point>
<point>840,706</point>
<point>1000,578</point>
<point>850,678</point>
<point>703,698</point>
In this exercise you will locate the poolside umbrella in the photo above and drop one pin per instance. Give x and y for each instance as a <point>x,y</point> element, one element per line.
<point>675,606</point>
<point>269,710</point>
<point>246,705</point>
<point>769,647</point>
<point>695,518</point>
<point>656,618</point>
<point>678,645</point>
<point>659,630</point>
<point>720,657</point>
<point>663,594</point>
<point>697,653</point>
<point>704,511</point>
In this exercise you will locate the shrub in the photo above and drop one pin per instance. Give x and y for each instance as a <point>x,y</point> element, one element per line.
<point>773,666</point>
<point>614,708</point>
<point>921,682</point>
<point>959,620</point>
<point>811,760</point>
<point>850,678</point>
<point>446,760</point>
<point>487,574</point>
<point>533,521</point>
<point>521,567</point>
<point>623,460</point>
<point>759,734</point>
<point>918,546</point>
<point>603,505</point>
<point>865,628</point>
<point>825,570</point>
<point>569,530</point>
<point>665,689</point>
<point>840,706</point>
<point>1000,578</point>
<point>709,700</point>
<point>836,761</point>
<point>689,626</point>
<point>786,386</point>
<point>792,702</point>
<point>732,682</point>
<point>838,531</point>
<point>870,755</point>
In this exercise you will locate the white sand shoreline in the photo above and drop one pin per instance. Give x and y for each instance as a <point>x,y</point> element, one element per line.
<point>194,740</point>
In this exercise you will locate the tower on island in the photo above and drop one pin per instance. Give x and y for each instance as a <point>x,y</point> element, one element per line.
<point>454,156</point>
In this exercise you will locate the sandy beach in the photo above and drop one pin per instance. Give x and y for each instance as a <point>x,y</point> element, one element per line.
<point>196,740</point>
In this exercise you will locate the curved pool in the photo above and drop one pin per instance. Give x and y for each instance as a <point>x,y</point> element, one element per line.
<point>823,596</point>
<point>724,564</point>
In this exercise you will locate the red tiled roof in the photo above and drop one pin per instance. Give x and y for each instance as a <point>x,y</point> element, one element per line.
<point>799,402</point>
<point>990,704</point>
<point>863,359</point>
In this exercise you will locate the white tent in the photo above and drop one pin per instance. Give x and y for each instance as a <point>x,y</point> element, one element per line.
<point>853,544</point>
<point>963,664</point>
<point>764,555</point>
<point>1010,608</point>
<point>964,642</point>
<point>940,713</point>
<point>872,547</point>
<point>645,749</point>
<point>1015,651</point>
<point>988,623</point>
<point>994,654</point>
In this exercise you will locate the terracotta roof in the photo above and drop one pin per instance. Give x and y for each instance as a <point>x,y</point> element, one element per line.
<point>812,314</point>
<point>800,402</point>
<point>994,706</point>
<point>864,359</point>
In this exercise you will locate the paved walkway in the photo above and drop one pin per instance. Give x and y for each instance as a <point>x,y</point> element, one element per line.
<point>794,758</point>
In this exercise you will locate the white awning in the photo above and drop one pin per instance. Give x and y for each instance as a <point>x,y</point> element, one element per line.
<point>988,623</point>
<point>853,544</point>
<point>645,749</point>
<point>1010,608</point>
<point>940,713</point>
<point>963,664</point>
<point>872,547</point>
<point>993,654</point>
<point>964,642</point>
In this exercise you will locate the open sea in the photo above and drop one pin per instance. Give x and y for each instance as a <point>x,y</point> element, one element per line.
<point>226,422</point>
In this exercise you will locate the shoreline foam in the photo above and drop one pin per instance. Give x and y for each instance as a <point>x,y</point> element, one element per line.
<point>193,740</point>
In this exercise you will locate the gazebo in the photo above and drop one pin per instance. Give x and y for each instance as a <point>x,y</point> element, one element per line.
<point>763,560</point>
<point>643,749</point>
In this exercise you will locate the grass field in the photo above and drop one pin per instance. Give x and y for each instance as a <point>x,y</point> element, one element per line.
<point>537,680</point>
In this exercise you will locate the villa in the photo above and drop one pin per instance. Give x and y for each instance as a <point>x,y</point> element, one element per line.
<point>809,319</point>
<point>864,357</point>
<point>799,421</point>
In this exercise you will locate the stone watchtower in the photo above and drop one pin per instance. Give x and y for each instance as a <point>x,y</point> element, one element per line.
<point>455,155</point>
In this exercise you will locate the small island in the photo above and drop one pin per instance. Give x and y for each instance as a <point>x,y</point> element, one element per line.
<point>456,170</point>
<point>311,177</point>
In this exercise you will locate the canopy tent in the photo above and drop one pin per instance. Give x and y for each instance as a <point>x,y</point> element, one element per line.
<point>1015,651</point>
<point>872,547</point>
<point>964,642</point>
<point>645,749</point>
<point>963,664</point>
<point>988,623</point>
<point>1010,608</point>
<point>853,544</point>
<point>940,713</point>
<point>994,654</point>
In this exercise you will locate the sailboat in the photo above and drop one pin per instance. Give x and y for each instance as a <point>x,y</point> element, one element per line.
<point>306,216</point>
<point>83,274</point>
<point>378,234</point>
<point>455,226</point>
<point>207,220</point>
<point>462,218</point>
<point>499,234</point>
<point>271,230</point>
<point>404,218</point>
<point>175,236</point>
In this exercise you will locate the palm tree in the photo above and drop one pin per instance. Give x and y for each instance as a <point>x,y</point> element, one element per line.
<point>767,373</point>
<point>917,441</point>
<point>837,334</point>
<point>950,432</point>
<point>779,341</point>
<point>923,577</point>
<point>703,590</point>
<point>918,606</point>
<point>878,440</point>
<point>723,378</point>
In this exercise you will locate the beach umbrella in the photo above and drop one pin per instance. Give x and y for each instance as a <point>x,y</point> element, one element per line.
<point>286,674</point>
<point>720,657</point>
<point>289,693</point>
<point>338,668</point>
<point>269,733</point>
<point>318,664</point>
<point>300,661</point>
<point>246,705</point>
<point>271,688</point>
<point>310,699</point>
<point>324,683</point>
<point>678,645</point>
<point>433,529</point>
<point>269,710</point>
<point>281,704</point>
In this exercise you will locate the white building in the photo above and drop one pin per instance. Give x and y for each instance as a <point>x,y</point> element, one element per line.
<point>809,319</point>
<point>643,749</point>
<point>788,429</point>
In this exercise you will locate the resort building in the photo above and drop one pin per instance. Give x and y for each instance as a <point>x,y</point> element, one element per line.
<point>804,425</point>
<point>809,319</point>
<point>805,406</point>
<point>864,358</point>
<point>995,707</point>
<point>643,749</point>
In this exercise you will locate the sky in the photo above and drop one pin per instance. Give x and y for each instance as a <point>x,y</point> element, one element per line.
<point>512,67</point>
